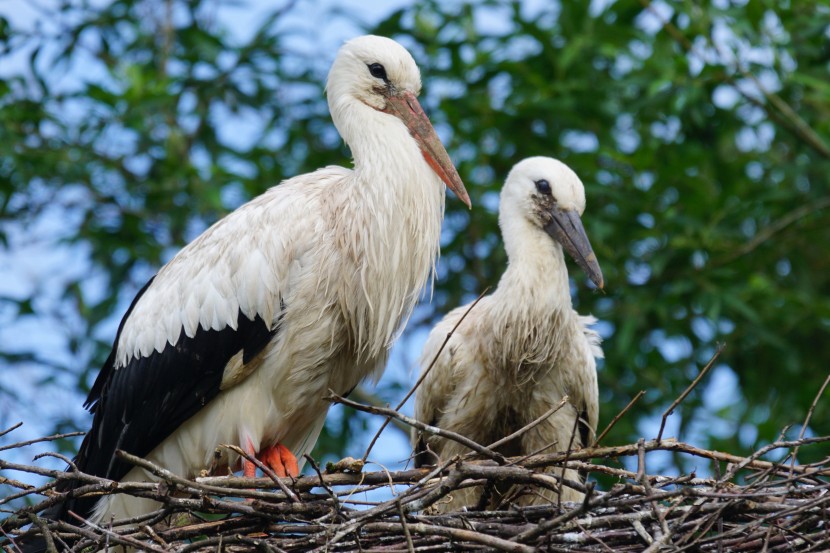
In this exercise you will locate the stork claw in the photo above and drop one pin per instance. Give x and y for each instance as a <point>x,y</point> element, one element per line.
<point>279,459</point>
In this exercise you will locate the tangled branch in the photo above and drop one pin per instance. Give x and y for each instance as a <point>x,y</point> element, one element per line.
<point>756,505</point>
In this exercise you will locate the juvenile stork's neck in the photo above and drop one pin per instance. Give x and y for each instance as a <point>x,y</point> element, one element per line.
<point>536,275</point>
<point>531,306</point>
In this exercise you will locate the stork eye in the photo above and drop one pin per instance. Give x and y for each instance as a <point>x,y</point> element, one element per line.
<point>378,71</point>
<point>543,187</point>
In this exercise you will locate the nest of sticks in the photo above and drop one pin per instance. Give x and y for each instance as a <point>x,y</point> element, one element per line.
<point>753,504</point>
<point>765,502</point>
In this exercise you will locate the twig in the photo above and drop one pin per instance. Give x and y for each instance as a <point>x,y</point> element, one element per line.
<point>44,530</point>
<point>390,413</point>
<point>787,509</point>
<point>325,486</point>
<point>688,390</point>
<point>12,428</point>
<point>423,375</point>
<point>670,444</point>
<point>807,420</point>
<point>457,534</point>
<point>265,469</point>
<point>363,396</point>
<point>529,426</point>
<point>618,416</point>
<point>36,440</point>
<point>649,493</point>
<point>407,535</point>
<point>118,538</point>
<point>545,526</point>
<point>568,451</point>
<point>186,484</point>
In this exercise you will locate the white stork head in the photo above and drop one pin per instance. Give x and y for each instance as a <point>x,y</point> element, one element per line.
<point>378,73</point>
<point>544,194</point>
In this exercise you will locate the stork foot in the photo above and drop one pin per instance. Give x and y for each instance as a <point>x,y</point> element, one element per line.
<point>279,459</point>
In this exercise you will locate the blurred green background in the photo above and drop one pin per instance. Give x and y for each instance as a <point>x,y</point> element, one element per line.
<point>701,131</point>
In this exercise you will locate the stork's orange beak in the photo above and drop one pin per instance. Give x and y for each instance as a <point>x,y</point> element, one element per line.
<point>406,107</point>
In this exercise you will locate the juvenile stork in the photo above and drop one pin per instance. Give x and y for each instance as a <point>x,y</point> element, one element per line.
<point>522,348</point>
<point>240,336</point>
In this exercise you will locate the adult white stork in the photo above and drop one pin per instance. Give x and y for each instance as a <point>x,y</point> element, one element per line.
<point>522,348</point>
<point>304,289</point>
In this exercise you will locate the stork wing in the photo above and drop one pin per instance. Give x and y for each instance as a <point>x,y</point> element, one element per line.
<point>587,379</point>
<point>195,328</point>
<point>138,405</point>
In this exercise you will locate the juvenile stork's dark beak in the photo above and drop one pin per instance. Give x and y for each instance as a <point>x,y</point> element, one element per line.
<point>565,227</point>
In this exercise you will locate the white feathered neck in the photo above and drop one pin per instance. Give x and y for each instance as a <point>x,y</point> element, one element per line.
<point>387,220</point>
<point>533,296</point>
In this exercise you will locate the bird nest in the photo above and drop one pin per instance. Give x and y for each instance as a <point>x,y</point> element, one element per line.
<point>753,504</point>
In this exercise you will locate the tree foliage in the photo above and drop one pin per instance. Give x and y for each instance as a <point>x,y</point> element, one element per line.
<point>700,131</point>
<point>701,135</point>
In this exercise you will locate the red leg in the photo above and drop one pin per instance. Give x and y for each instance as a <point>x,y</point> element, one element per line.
<point>248,468</point>
<point>279,459</point>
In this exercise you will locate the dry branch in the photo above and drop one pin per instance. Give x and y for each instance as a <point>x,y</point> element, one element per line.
<point>757,505</point>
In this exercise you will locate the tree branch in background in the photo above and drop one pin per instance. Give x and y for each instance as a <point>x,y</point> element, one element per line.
<point>788,116</point>
<point>771,230</point>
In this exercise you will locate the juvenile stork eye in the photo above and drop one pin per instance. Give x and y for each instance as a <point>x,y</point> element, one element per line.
<point>378,71</point>
<point>543,187</point>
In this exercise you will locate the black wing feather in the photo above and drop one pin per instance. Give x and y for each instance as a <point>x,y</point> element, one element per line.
<point>423,456</point>
<point>109,364</point>
<point>137,406</point>
<point>585,430</point>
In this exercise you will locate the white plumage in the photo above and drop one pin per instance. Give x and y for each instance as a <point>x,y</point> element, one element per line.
<point>523,348</point>
<point>304,289</point>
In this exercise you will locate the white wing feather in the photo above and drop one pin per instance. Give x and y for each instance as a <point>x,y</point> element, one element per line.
<point>237,264</point>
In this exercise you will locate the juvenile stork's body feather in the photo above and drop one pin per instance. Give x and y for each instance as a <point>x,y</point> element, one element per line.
<point>523,348</point>
<point>304,289</point>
